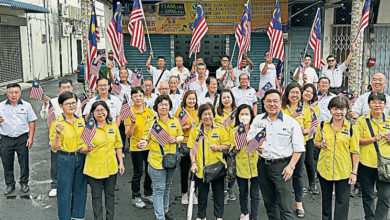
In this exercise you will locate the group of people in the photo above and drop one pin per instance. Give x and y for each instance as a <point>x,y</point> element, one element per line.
<point>212,128</point>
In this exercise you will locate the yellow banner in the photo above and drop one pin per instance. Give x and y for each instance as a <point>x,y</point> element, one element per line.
<point>222,17</point>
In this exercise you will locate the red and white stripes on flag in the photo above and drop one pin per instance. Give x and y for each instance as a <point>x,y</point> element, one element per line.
<point>243,33</point>
<point>91,68</point>
<point>115,36</point>
<point>125,111</point>
<point>314,124</point>
<point>116,88</point>
<point>363,22</point>
<point>136,28</point>
<point>200,29</point>
<point>89,131</point>
<point>160,134</point>
<point>240,137</point>
<point>275,35</point>
<point>229,119</point>
<point>50,115</point>
<point>36,91</point>
<point>315,41</point>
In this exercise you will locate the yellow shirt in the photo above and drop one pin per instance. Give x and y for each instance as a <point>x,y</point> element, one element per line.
<point>220,119</point>
<point>194,116</point>
<point>217,135</point>
<point>142,118</point>
<point>368,156</point>
<point>70,136</point>
<point>173,128</point>
<point>246,163</point>
<point>101,162</point>
<point>304,119</point>
<point>334,162</point>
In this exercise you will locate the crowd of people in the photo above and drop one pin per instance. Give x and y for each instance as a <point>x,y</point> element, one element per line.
<point>210,127</point>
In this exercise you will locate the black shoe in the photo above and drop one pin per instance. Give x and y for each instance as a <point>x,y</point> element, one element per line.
<point>9,190</point>
<point>168,216</point>
<point>313,189</point>
<point>24,188</point>
<point>300,213</point>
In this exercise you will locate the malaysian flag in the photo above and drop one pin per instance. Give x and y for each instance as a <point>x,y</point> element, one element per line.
<point>257,141</point>
<point>315,41</point>
<point>36,91</point>
<point>84,99</point>
<point>275,35</point>
<point>240,137</point>
<point>97,28</point>
<point>229,119</point>
<point>125,111</point>
<point>183,117</point>
<point>89,131</point>
<point>116,88</point>
<point>198,139</point>
<point>314,124</point>
<point>200,29</point>
<point>190,80</point>
<point>95,69</point>
<point>50,115</point>
<point>261,92</point>
<point>280,75</point>
<point>136,29</point>
<point>243,33</point>
<point>363,23</point>
<point>160,134</point>
<point>91,67</point>
<point>136,78</point>
<point>115,36</point>
<point>348,95</point>
<point>298,112</point>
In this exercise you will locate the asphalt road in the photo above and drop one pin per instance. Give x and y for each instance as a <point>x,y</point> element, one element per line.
<point>37,205</point>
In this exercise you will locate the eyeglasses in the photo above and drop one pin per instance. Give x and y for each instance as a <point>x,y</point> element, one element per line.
<point>103,85</point>
<point>377,103</point>
<point>244,79</point>
<point>100,110</point>
<point>225,60</point>
<point>270,102</point>
<point>70,104</point>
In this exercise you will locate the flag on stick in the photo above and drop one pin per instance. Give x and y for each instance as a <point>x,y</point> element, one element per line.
<point>315,41</point>
<point>200,29</point>
<point>84,99</point>
<point>125,111</point>
<point>363,23</point>
<point>243,32</point>
<point>115,36</point>
<point>36,91</point>
<point>275,34</point>
<point>183,117</point>
<point>160,134</point>
<point>257,141</point>
<point>136,28</point>
<point>240,137</point>
<point>89,131</point>
<point>116,88</point>
<point>261,92</point>
<point>92,69</point>
<point>298,112</point>
<point>229,119</point>
<point>137,77</point>
<point>50,115</point>
<point>314,124</point>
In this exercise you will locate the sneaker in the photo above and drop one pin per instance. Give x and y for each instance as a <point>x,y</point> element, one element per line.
<point>313,189</point>
<point>219,219</point>
<point>53,193</point>
<point>168,216</point>
<point>200,218</point>
<point>195,200</point>
<point>138,202</point>
<point>184,199</point>
<point>225,200</point>
<point>244,217</point>
<point>149,198</point>
<point>232,197</point>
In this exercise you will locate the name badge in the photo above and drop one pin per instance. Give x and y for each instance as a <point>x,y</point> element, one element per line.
<point>173,125</point>
<point>345,131</point>
<point>80,125</point>
<point>215,135</point>
<point>111,131</point>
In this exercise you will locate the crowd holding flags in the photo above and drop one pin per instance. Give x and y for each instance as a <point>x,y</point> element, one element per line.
<point>115,36</point>
<point>200,29</point>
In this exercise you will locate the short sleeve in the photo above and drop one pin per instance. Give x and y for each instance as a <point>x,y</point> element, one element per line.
<point>249,69</point>
<point>254,97</point>
<point>297,138</point>
<point>343,67</point>
<point>152,69</point>
<point>87,108</point>
<point>127,122</point>
<point>261,67</point>
<point>192,138</point>
<point>52,131</point>
<point>358,106</point>
<point>354,144</point>
<point>318,137</point>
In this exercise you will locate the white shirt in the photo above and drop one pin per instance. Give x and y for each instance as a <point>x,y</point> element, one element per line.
<point>335,76</point>
<point>199,88</point>
<point>246,96</point>
<point>183,75</point>
<point>311,75</point>
<point>16,118</point>
<point>229,82</point>
<point>237,73</point>
<point>149,102</point>
<point>324,112</point>
<point>126,90</point>
<point>283,135</point>
<point>206,97</point>
<point>115,72</point>
<point>361,104</point>
<point>206,74</point>
<point>156,74</point>
<point>176,99</point>
<point>57,109</point>
<point>270,76</point>
<point>113,103</point>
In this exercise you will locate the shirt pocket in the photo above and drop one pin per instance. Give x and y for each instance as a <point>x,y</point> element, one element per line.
<point>283,137</point>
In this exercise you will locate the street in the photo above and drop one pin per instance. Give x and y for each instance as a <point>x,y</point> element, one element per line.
<point>37,205</point>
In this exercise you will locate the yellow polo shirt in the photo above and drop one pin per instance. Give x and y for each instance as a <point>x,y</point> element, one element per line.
<point>246,163</point>
<point>142,118</point>
<point>217,135</point>
<point>173,128</point>
<point>101,162</point>
<point>334,162</point>
<point>194,116</point>
<point>220,119</point>
<point>304,119</point>
<point>368,156</point>
<point>70,136</point>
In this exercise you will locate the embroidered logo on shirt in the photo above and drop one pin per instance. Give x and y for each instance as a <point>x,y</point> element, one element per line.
<point>345,131</point>
<point>173,125</point>
<point>80,125</point>
<point>111,131</point>
<point>215,135</point>
<point>386,127</point>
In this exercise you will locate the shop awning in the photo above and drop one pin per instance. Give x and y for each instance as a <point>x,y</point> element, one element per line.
<point>29,8</point>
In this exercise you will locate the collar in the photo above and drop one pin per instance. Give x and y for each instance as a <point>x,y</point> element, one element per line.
<point>120,81</point>
<point>64,118</point>
<point>369,115</point>
<point>202,127</point>
<point>345,122</point>
<point>335,67</point>
<point>177,92</point>
<point>169,116</point>
<point>208,94</point>
<point>248,87</point>
<point>98,97</point>
<point>107,123</point>
<point>19,102</point>
<point>280,115</point>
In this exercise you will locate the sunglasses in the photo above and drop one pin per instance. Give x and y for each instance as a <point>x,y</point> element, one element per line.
<point>331,61</point>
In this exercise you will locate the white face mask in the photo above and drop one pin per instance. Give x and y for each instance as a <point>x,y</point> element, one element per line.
<point>245,119</point>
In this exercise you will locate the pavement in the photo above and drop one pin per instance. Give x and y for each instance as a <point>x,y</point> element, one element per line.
<point>36,205</point>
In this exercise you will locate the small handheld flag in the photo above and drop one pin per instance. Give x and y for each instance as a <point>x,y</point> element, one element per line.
<point>116,88</point>
<point>125,111</point>
<point>89,131</point>
<point>160,134</point>
<point>50,115</point>
<point>36,91</point>
<point>183,117</point>
<point>257,141</point>
<point>261,92</point>
<point>240,137</point>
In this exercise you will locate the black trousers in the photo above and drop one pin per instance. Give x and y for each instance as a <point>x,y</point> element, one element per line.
<point>97,187</point>
<point>53,169</point>
<point>342,189</point>
<point>122,132</point>
<point>297,179</point>
<point>203,192</point>
<point>368,177</point>
<point>185,165</point>
<point>309,161</point>
<point>277,193</point>
<point>254,195</point>
<point>10,146</point>
<point>140,164</point>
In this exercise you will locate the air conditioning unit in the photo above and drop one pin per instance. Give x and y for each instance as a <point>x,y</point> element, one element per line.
<point>75,13</point>
<point>64,10</point>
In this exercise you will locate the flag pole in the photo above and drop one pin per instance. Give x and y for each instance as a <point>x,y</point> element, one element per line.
<point>234,48</point>
<point>147,33</point>
<point>311,32</point>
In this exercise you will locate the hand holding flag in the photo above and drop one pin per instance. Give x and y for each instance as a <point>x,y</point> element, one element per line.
<point>36,91</point>
<point>240,137</point>
<point>257,141</point>
<point>89,131</point>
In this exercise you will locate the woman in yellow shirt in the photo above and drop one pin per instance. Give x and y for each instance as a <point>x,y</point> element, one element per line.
<point>161,176</point>
<point>65,139</point>
<point>368,167</point>
<point>337,140</point>
<point>207,141</point>
<point>101,163</point>
<point>246,163</point>
<point>190,105</point>
<point>292,106</point>
<point>134,127</point>
<point>309,97</point>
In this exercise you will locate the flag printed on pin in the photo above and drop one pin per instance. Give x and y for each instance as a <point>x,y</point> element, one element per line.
<point>200,29</point>
<point>229,119</point>
<point>257,141</point>
<point>89,131</point>
<point>36,91</point>
<point>136,77</point>
<point>125,111</point>
<point>275,34</point>
<point>313,125</point>
<point>50,115</point>
<point>240,137</point>
<point>136,28</point>
<point>261,92</point>
<point>183,117</point>
<point>160,134</point>
<point>116,88</point>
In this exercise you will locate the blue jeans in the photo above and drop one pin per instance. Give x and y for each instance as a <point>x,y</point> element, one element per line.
<point>161,182</point>
<point>71,187</point>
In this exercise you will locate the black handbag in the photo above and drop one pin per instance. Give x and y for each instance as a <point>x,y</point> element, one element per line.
<point>383,162</point>
<point>170,161</point>
<point>184,150</point>
<point>214,171</point>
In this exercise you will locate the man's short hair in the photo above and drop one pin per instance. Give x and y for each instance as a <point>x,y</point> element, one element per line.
<point>225,56</point>
<point>64,81</point>
<point>324,77</point>
<point>208,80</point>
<point>307,55</point>
<point>201,64</point>
<point>14,85</point>
<point>330,56</point>
<point>171,77</point>
<point>103,78</point>
<point>265,53</point>
<point>161,57</point>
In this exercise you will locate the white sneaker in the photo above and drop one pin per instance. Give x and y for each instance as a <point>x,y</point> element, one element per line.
<point>53,193</point>
<point>184,198</point>
<point>219,219</point>
<point>149,198</point>
<point>244,217</point>
<point>195,200</point>
<point>200,218</point>
<point>138,202</point>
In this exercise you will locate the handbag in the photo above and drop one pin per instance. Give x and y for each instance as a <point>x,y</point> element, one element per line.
<point>214,171</point>
<point>170,161</point>
<point>184,150</point>
<point>383,162</point>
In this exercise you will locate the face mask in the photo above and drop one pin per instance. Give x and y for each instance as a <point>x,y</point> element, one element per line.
<point>245,119</point>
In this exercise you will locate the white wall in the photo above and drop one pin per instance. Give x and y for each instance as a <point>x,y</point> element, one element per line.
<point>384,8</point>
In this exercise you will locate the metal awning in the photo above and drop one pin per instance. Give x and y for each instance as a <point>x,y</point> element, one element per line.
<point>29,8</point>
